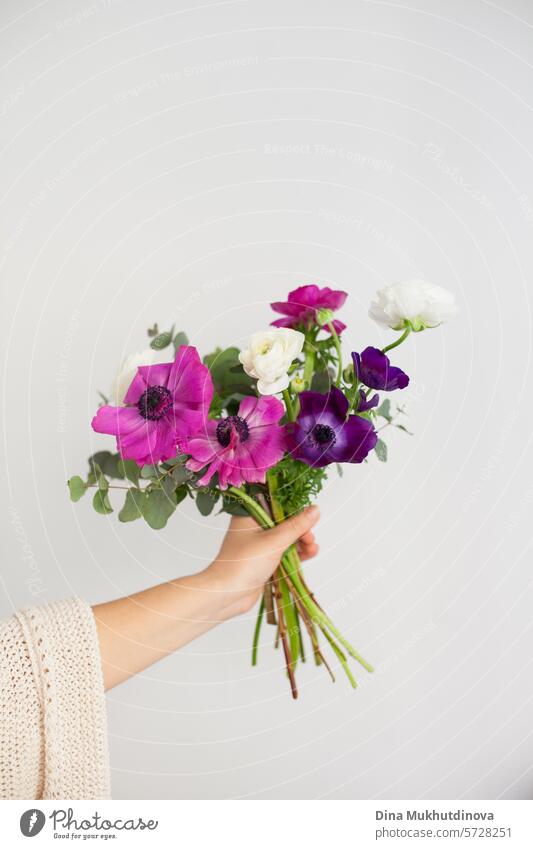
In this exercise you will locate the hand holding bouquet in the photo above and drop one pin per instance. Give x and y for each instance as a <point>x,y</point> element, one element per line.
<point>215,431</point>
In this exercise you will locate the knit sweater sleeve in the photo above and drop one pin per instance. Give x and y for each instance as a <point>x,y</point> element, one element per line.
<point>53,735</point>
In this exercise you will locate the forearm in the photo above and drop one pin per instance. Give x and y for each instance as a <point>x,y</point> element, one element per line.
<point>140,629</point>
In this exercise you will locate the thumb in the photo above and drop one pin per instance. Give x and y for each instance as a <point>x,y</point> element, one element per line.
<point>292,529</point>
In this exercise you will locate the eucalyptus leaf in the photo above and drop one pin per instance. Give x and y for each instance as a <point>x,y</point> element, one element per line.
<point>132,508</point>
<point>169,484</point>
<point>384,410</point>
<point>402,427</point>
<point>157,508</point>
<point>150,472</point>
<point>110,464</point>
<point>77,488</point>
<point>180,474</point>
<point>205,501</point>
<point>130,469</point>
<point>233,507</point>
<point>101,502</point>
<point>381,451</point>
<point>180,339</point>
<point>180,494</point>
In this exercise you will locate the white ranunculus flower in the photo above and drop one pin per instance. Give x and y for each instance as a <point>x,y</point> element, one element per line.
<point>416,301</point>
<point>269,355</point>
<point>128,369</point>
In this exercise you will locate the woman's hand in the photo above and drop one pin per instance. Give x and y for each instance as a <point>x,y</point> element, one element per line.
<point>137,630</point>
<point>249,556</point>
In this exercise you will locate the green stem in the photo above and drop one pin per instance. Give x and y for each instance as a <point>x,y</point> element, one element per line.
<point>288,404</point>
<point>257,631</point>
<point>289,565</point>
<point>309,367</point>
<point>321,617</point>
<point>399,340</point>
<point>337,343</point>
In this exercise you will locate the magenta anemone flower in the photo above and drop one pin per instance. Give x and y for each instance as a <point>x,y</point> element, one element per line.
<point>372,367</point>
<point>303,304</point>
<point>323,433</point>
<point>242,447</point>
<point>163,405</point>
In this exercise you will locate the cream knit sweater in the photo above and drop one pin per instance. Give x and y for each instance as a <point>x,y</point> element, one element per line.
<point>53,736</point>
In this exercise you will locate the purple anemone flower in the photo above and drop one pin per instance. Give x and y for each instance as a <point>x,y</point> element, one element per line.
<point>372,367</point>
<point>164,404</point>
<point>242,447</point>
<point>323,433</point>
<point>303,304</point>
<point>365,402</point>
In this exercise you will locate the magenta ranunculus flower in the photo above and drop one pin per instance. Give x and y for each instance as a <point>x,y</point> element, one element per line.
<point>303,304</point>
<point>165,403</point>
<point>242,447</point>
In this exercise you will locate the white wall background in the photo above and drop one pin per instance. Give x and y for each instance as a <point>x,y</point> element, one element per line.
<point>191,162</point>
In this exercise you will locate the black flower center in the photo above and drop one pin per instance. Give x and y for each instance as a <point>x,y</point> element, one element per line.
<point>155,402</point>
<point>324,434</point>
<point>229,424</point>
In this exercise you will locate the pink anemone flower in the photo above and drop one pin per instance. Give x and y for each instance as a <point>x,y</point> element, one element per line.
<point>164,404</point>
<point>242,447</point>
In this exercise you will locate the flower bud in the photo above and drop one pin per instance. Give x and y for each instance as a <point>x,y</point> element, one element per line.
<point>324,317</point>
<point>297,385</point>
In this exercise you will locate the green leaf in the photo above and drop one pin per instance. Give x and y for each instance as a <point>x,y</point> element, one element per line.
<point>150,472</point>
<point>77,488</point>
<point>180,474</point>
<point>169,484</point>
<point>228,374</point>
<point>402,427</point>
<point>132,508</point>
<point>233,507</point>
<point>180,339</point>
<point>153,331</point>
<point>110,464</point>
<point>205,501</point>
<point>130,470</point>
<point>162,340</point>
<point>158,507</point>
<point>321,382</point>
<point>384,410</point>
<point>101,502</point>
<point>381,451</point>
<point>103,483</point>
<point>180,494</point>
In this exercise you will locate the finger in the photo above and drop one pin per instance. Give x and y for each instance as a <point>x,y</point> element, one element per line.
<point>292,529</point>
<point>306,552</point>
<point>308,537</point>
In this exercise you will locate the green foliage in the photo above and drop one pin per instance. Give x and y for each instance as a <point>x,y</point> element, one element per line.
<point>150,472</point>
<point>384,410</point>
<point>110,464</point>
<point>206,500</point>
<point>157,508</point>
<point>298,484</point>
<point>322,381</point>
<point>101,502</point>
<point>180,339</point>
<point>233,506</point>
<point>77,488</point>
<point>153,331</point>
<point>130,470</point>
<point>133,505</point>
<point>381,451</point>
<point>162,340</point>
<point>229,377</point>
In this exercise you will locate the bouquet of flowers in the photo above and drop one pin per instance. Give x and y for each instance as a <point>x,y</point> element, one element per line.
<point>217,430</point>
